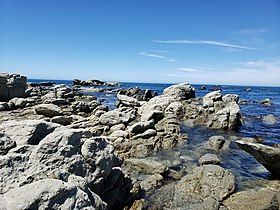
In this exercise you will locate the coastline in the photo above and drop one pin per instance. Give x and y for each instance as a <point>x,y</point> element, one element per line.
<point>135,155</point>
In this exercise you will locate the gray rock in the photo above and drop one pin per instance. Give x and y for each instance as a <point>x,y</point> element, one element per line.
<point>209,159</point>
<point>146,166</point>
<point>28,131</point>
<point>216,142</point>
<point>11,86</point>
<point>230,98</point>
<point>6,143</point>
<point>48,110</point>
<point>269,119</point>
<point>266,102</point>
<point>4,106</point>
<point>117,116</point>
<point>183,91</point>
<point>268,156</point>
<point>205,182</point>
<point>49,194</point>
<point>63,120</point>
<point>128,101</point>
<point>18,102</point>
<point>155,115</point>
<point>140,127</point>
<point>214,96</point>
<point>264,198</point>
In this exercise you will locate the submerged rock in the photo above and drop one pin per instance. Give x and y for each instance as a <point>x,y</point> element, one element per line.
<point>269,119</point>
<point>268,156</point>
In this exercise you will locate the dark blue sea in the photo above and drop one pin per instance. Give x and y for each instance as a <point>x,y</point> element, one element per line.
<point>236,160</point>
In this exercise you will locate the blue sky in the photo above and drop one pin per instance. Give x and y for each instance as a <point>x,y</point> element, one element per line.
<point>196,41</point>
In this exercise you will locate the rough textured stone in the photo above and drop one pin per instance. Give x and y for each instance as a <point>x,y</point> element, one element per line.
<point>146,166</point>
<point>27,131</point>
<point>127,101</point>
<point>11,86</point>
<point>264,198</point>
<point>49,194</point>
<point>269,119</point>
<point>180,92</point>
<point>216,142</point>
<point>48,110</point>
<point>117,116</point>
<point>209,159</point>
<point>141,127</point>
<point>268,156</point>
<point>205,182</point>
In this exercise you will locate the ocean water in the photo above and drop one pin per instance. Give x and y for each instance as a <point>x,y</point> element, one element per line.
<point>236,160</point>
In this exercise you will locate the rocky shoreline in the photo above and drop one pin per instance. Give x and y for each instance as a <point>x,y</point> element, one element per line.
<point>63,149</point>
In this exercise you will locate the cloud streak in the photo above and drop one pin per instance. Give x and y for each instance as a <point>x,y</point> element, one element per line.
<point>255,30</point>
<point>205,42</point>
<point>153,55</point>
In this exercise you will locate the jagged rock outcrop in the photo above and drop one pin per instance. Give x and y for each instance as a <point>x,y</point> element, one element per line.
<point>86,166</point>
<point>268,156</point>
<point>11,86</point>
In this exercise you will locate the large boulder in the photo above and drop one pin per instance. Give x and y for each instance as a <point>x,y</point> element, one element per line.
<point>11,86</point>
<point>268,156</point>
<point>50,194</point>
<point>27,131</point>
<point>127,100</point>
<point>206,184</point>
<point>69,155</point>
<point>180,92</point>
<point>263,198</point>
<point>48,110</point>
<point>141,127</point>
<point>117,116</point>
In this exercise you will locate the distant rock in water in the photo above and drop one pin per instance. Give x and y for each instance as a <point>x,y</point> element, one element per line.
<point>266,102</point>
<point>11,86</point>
<point>217,87</point>
<point>269,119</point>
<point>203,87</point>
<point>37,84</point>
<point>94,82</point>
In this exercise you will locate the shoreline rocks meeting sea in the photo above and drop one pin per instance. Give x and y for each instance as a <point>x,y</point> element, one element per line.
<point>63,148</point>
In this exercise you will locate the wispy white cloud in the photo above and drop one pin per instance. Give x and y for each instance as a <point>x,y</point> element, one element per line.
<point>159,51</point>
<point>255,30</point>
<point>205,42</point>
<point>256,72</point>
<point>154,55</point>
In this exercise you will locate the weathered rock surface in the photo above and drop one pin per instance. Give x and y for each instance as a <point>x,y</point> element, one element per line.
<point>204,188</point>
<point>269,119</point>
<point>117,116</point>
<point>48,110</point>
<point>180,92</point>
<point>127,100</point>
<point>264,198</point>
<point>216,142</point>
<point>11,86</point>
<point>209,159</point>
<point>46,151</point>
<point>146,166</point>
<point>268,156</point>
<point>28,131</point>
<point>50,194</point>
